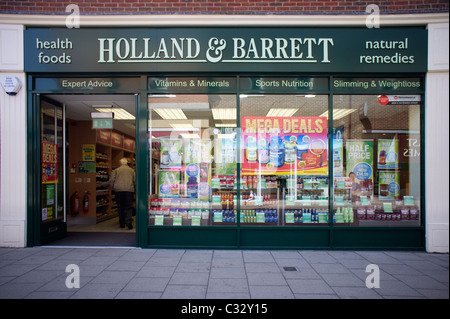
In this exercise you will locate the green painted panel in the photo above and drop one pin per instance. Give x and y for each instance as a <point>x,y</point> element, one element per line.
<point>370,238</point>
<point>387,49</point>
<point>53,230</point>
<point>187,237</point>
<point>285,238</point>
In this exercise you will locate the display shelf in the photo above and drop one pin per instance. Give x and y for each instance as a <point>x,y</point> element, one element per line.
<point>103,195</point>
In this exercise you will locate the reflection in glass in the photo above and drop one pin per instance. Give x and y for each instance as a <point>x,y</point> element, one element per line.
<point>376,161</point>
<point>284,164</point>
<point>193,159</point>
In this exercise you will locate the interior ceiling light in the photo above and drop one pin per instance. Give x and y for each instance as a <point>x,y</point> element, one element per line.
<point>243,96</point>
<point>282,112</point>
<point>190,136</point>
<point>171,114</point>
<point>338,113</point>
<point>226,136</point>
<point>182,125</point>
<point>224,113</point>
<point>119,113</point>
<point>162,95</point>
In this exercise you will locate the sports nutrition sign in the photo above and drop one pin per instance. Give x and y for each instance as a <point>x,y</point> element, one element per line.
<point>226,50</point>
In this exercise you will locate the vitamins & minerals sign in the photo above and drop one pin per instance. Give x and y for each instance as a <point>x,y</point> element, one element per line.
<point>226,50</point>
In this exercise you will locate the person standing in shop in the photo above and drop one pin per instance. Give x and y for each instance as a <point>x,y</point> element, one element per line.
<point>122,183</point>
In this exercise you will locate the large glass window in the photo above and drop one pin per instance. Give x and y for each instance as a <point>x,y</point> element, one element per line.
<point>283,160</point>
<point>192,139</point>
<point>376,160</point>
<point>284,164</point>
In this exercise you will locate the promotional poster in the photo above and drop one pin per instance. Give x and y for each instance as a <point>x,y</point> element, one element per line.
<point>49,163</point>
<point>284,145</point>
<point>359,159</point>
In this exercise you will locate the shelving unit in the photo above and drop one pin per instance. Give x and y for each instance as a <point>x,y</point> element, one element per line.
<point>107,159</point>
<point>103,171</point>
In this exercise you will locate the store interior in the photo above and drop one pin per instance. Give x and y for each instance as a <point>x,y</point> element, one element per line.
<point>91,156</point>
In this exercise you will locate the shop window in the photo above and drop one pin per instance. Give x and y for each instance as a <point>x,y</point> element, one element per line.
<point>284,164</point>
<point>193,160</point>
<point>376,160</point>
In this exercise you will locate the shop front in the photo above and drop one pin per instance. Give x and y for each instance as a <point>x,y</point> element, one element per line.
<point>249,138</point>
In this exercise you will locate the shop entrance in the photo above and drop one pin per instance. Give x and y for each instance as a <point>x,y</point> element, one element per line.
<point>81,146</point>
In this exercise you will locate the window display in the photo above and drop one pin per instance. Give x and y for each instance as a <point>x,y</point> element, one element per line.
<point>376,160</point>
<point>270,166</point>
<point>284,162</point>
<point>193,154</point>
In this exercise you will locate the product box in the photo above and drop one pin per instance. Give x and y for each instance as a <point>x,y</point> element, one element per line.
<point>361,214</point>
<point>307,218</point>
<point>388,185</point>
<point>370,214</point>
<point>414,214</point>
<point>404,213</point>
<point>171,153</point>
<point>387,153</point>
<point>169,184</point>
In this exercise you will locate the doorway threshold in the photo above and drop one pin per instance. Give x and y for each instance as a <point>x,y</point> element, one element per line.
<point>97,239</point>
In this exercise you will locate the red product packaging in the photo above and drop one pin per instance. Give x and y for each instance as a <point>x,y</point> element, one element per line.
<point>361,214</point>
<point>414,214</point>
<point>370,214</point>
<point>404,213</point>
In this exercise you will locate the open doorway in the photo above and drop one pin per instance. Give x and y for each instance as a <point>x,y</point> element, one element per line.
<point>75,192</point>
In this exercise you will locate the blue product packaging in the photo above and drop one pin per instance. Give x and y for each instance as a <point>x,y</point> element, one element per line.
<point>276,151</point>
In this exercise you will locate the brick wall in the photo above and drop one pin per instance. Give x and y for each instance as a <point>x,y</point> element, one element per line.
<point>223,6</point>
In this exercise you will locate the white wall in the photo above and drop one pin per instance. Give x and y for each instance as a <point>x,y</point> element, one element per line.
<point>437,139</point>
<point>13,141</point>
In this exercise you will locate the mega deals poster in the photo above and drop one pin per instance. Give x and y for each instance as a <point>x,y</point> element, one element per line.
<point>49,162</point>
<point>284,145</point>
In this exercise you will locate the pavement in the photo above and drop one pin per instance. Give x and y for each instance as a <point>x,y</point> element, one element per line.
<point>134,273</point>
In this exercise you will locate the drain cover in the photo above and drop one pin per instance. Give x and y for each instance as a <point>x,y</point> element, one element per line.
<point>290,268</point>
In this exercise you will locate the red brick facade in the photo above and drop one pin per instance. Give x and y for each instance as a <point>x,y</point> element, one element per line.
<point>256,7</point>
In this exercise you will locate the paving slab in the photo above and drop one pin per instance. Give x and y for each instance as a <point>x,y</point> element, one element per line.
<point>134,273</point>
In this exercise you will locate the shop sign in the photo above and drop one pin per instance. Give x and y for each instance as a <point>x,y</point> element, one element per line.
<point>178,50</point>
<point>399,99</point>
<point>102,124</point>
<point>104,136</point>
<point>192,84</point>
<point>376,85</point>
<point>283,85</point>
<point>128,144</point>
<point>117,139</point>
<point>87,85</point>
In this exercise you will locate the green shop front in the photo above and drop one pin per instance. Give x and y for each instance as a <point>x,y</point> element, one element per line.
<point>241,138</point>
